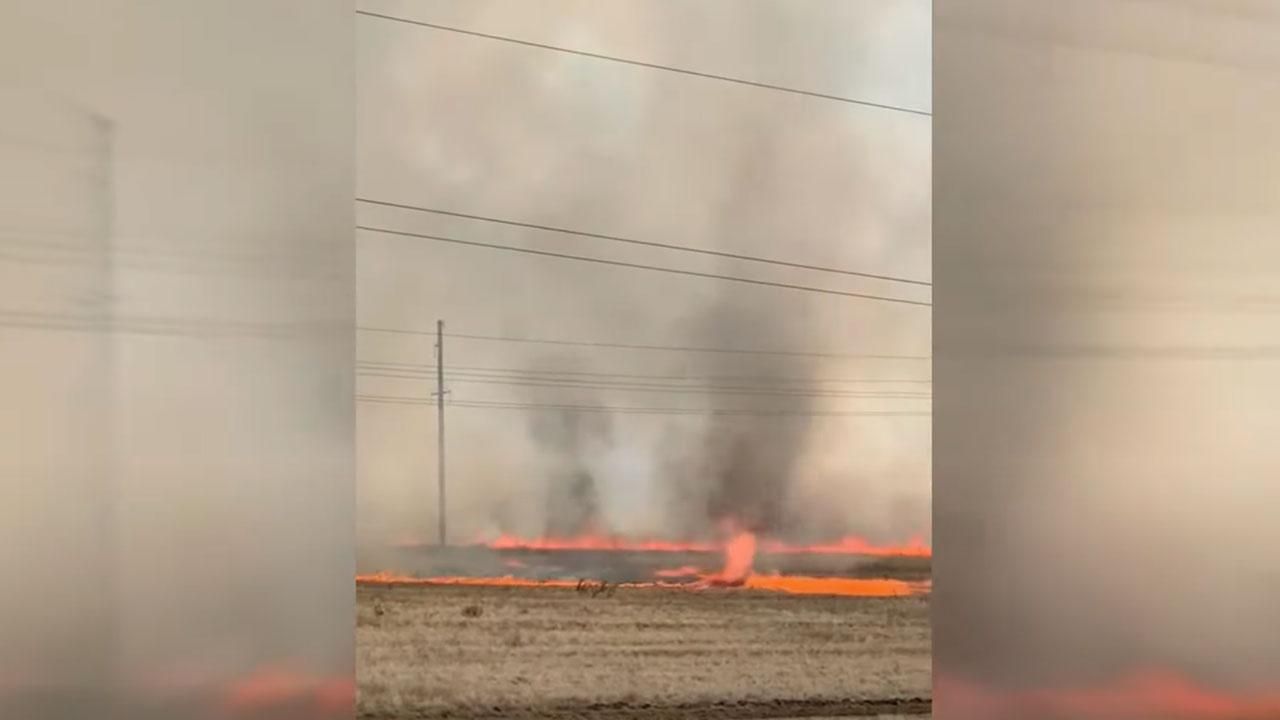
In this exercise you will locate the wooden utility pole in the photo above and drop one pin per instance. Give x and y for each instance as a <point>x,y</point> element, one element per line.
<point>444,535</point>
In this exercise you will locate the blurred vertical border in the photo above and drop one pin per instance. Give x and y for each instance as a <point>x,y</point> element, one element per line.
<point>176,350</point>
<point>1107,359</point>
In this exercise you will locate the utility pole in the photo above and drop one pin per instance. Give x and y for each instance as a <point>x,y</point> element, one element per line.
<point>444,536</point>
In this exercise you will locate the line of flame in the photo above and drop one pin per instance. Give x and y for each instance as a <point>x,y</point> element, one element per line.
<point>850,545</point>
<point>788,584</point>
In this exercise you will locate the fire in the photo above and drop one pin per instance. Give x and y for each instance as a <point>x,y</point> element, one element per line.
<point>737,571</point>
<point>850,587</point>
<point>280,688</point>
<point>739,560</point>
<point>853,545</point>
<point>739,557</point>
<point>787,584</point>
<point>1141,694</point>
<point>849,545</point>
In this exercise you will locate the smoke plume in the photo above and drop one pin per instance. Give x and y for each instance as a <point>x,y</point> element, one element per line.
<point>566,141</point>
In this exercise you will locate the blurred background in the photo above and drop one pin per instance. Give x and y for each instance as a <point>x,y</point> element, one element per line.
<point>176,301</point>
<point>1107,348</point>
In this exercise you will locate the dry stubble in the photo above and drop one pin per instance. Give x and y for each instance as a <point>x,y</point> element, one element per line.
<point>512,652</point>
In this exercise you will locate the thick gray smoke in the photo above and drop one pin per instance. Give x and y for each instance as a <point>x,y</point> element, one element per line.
<point>572,502</point>
<point>465,124</point>
<point>739,468</point>
<point>752,463</point>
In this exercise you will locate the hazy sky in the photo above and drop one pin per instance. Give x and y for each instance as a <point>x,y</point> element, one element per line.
<point>484,127</point>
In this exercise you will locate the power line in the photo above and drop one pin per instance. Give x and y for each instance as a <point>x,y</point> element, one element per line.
<point>648,243</point>
<point>674,389</point>
<point>502,405</point>
<point>641,266</point>
<point>596,384</point>
<point>777,380</point>
<point>659,348</point>
<point>652,66</point>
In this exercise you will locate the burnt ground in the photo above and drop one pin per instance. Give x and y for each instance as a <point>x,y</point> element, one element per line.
<point>619,566</point>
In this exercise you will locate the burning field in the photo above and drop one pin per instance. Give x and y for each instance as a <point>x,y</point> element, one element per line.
<point>592,627</point>
<point>851,566</point>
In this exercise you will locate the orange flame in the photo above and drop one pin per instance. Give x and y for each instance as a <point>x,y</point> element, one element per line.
<point>854,545</point>
<point>739,558</point>
<point>788,584</point>
<point>849,587</point>
<point>849,545</point>
<point>277,688</point>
